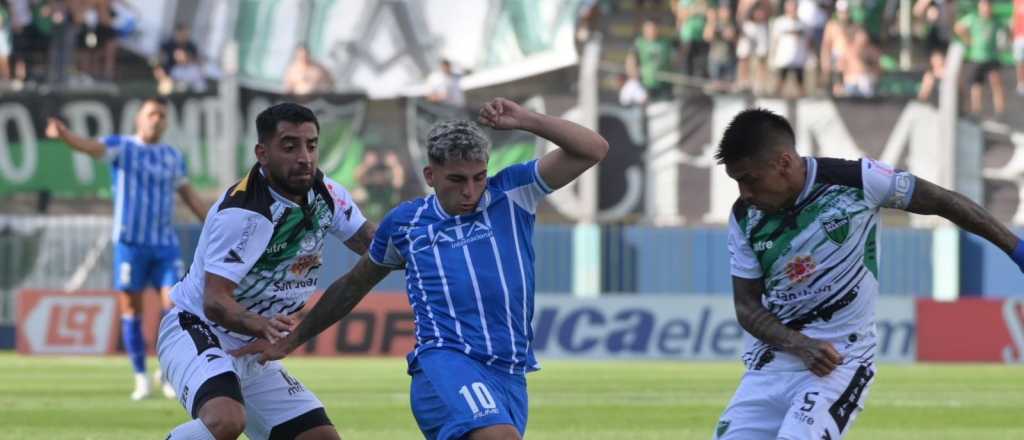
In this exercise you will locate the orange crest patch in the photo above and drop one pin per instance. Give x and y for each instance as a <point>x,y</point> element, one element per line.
<point>304,264</point>
<point>799,268</point>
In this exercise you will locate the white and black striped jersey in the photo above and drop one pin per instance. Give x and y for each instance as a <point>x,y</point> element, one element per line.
<point>270,246</point>
<point>819,258</point>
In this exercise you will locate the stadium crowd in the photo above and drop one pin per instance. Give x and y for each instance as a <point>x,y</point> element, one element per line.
<point>794,48</point>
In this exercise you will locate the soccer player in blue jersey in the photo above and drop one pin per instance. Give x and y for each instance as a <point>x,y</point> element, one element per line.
<point>146,173</point>
<point>467,253</point>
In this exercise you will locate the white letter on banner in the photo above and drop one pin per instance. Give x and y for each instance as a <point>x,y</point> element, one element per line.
<point>27,135</point>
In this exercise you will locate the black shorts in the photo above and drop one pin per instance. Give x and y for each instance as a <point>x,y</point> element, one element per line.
<point>979,71</point>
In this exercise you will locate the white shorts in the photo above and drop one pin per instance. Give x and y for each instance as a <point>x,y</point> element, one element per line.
<point>1018,50</point>
<point>796,405</point>
<point>191,353</point>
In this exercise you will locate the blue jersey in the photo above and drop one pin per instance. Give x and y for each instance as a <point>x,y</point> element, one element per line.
<point>470,277</point>
<point>145,177</point>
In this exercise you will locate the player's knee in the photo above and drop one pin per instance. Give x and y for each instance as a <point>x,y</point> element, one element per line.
<point>224,417</point>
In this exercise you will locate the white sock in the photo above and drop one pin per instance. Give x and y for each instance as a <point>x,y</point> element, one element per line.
<point>194,430</point>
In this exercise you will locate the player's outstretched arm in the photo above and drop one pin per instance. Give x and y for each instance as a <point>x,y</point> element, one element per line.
<point>55,129</point>
<point>360,241</point>
<point>193,201</point>
<point>819,356</point>
<point>220,306</point>
<point>339,299</point>
<point>931,199</point>
<point>579,147</point>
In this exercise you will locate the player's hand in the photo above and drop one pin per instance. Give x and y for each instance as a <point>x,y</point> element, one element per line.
<point>268,351</point>
<point>503,114</point>
<point>278,327</point>
<point>819,356</point>
<point>256,346</point>
<point>54,128</point>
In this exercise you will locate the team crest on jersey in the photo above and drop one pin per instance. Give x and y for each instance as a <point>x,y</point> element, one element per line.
<point>304,264</point>
<point>836,228</point>
<point>799,268</point>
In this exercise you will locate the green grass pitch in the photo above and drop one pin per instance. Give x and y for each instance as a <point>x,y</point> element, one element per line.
<point>367,398</point>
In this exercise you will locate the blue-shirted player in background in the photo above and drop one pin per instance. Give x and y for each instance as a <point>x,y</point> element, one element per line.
<point>468,257</point>
<point>145,175</point>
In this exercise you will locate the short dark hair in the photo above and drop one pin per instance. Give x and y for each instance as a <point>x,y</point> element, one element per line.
<point>752,133</point>
<point>266,121</point>
<point>157,99</point>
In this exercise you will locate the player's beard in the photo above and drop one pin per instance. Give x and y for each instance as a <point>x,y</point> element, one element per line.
<point>291,184</point>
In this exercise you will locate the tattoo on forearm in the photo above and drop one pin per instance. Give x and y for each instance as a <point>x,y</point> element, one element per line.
<point>360,242</point>
<point>930,199</point>
<point>761,324</point>
<point>339,299</point>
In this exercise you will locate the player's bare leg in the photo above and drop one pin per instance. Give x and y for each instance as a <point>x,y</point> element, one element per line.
<point>998,100</point>
<point>324,432</point>
<point>221,418</point>
<point>495,432</point>
<point>131,316</point>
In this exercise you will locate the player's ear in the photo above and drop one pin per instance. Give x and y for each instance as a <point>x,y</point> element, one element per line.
<point>428,175</point>
<point>261,153</point>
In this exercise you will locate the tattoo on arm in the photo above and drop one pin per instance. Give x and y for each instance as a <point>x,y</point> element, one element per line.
<point>756,319</point>
<point>931,199</point>
<point>360,242</point>
<point>339,299</point>
<point>221,308</point>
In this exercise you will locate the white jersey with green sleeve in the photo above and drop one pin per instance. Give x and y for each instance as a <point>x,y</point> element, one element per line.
<point>268,245</point>
<point>819,258</point>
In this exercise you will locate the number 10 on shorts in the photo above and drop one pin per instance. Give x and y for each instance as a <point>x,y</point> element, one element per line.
<point>479,397</point>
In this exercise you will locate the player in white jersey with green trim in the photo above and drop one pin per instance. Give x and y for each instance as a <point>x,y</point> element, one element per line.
<point>255,266</point>
<point>804,256</point>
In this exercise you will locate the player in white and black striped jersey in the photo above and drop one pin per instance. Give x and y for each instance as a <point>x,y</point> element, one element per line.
<point>803,244</point>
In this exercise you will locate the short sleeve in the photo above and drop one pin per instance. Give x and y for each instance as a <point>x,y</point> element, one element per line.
<point>116,146</point>
<point>742,261</point>
<point>236,239</point>
<point>523,184</point>
<point>348,218</point>
<point>885,186</point>
<point>382,250</point>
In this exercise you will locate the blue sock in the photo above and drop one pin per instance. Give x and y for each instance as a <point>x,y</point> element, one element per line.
<point>134,343</point>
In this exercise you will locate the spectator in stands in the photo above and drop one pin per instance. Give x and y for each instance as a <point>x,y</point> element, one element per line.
<point>23,39</point>
<point>1018,43</point>
<point>936,41</point>
<point>58,20</point>
<point>5,44</point>
<point>789,48</point>
<point>836,40</point>
<point>691,16</point>
<point>306,76</point>
<point>814,15</point>
<point>752,47</point>
<point>861,67</point>
<point>445,86</point>
<point>380,184</point>
<point>721,34</point>
<point>187,75</point>
<point>652,55</point>
<point>97,39</point>
<point>180,39</point>
<point>632,91</point>
<point>979,32</point>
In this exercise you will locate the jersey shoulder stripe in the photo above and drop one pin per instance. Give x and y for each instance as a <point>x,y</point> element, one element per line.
<point>251,194</point>
<point>841,172</point>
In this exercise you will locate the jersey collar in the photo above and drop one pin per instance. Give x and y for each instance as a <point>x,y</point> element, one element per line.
<point>810,175</point>
<point>485,201</point>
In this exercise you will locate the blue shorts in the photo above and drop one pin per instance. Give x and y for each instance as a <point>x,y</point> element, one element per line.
<point>452,394</point>
<point>136,266</point>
